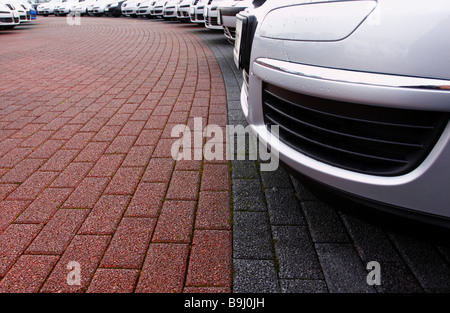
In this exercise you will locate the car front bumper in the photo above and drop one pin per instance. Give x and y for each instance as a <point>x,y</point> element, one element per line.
<point>422,189</point>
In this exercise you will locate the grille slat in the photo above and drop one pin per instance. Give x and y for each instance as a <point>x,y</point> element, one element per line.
<point>352,153</point>
<point>339,133</point>
<point>362,138</point>
<point>334,115</point>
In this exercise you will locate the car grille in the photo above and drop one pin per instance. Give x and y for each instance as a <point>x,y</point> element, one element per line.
<point>211,21</point>
<point>362,138</point>
<point>6,19</point>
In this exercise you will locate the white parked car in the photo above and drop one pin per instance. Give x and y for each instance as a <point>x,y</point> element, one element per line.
<point>196,11</point>
<point>182,8</point>
<point>210,14</point>
<point>170,10</point>
<point>9,16</point>
<point>145,8</point>
<point>360,93</point>
<point>81,7</point>
<point>49,7</point>
<point>40,8</point>
<point>23,9</point>
<point>99,7</point>
<point>158,7</point>
<point>130,8</point>
<point>90,6</point>
<point>64,7</point>
<point>227,15</point>
<point>114,8</point>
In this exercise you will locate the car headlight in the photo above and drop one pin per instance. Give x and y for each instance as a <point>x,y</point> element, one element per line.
<point>114,4</point>
<point>325,21</point>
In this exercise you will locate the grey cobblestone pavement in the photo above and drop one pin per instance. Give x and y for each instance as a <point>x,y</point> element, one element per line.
<point>287,240</point>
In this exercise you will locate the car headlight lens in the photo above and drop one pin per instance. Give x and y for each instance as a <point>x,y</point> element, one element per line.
<point>114,4</point>
<point>325,21</point>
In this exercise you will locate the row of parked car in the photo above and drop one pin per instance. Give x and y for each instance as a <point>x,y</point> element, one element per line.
<point>16,12</point>
<point>214,14</point>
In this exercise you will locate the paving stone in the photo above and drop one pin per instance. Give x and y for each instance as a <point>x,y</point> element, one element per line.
<point>105,216</point>
<point>86,251</point>
<point>175,222</point>
<point>248,195</point>
<point>255,276</point>
<point>278,178</point>
<point>124,181</point>
<point>216,177</point>
<point>108,280</point>
<point>58,232</point>
<point>87,193</point>
<point>147,200</point>
<point>324,222</point>
<point>244,169</point>
<point>424,260</point>
<point>31,188</point>
<point>210,261</point>
<point>396,277</point>
<point>343,270</point>
<point>295,253</point>
<point>214,210</point>
<point>44,206</point>
<point>372,242</point>
<point>13,241</point>
<point>184,185</point>
<point>303,286</point>
<point>283,207</point>
<point>27,274</point>
<point>129,243</point>
<point>164,268</point>
<point>9,211</point>
<point>252,238</point>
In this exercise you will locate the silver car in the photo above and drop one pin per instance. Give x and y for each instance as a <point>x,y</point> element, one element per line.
<point>210,14</point>
<point>226,14</point>
<point>9,16</point>
<point>360,92</point>
<point>196,11</point>
<point>183,8</point>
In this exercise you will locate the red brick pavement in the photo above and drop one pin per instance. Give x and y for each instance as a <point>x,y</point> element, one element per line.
<point>86,172</point>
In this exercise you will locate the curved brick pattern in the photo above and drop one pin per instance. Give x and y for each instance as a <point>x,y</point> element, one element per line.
<point>86,169</point>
